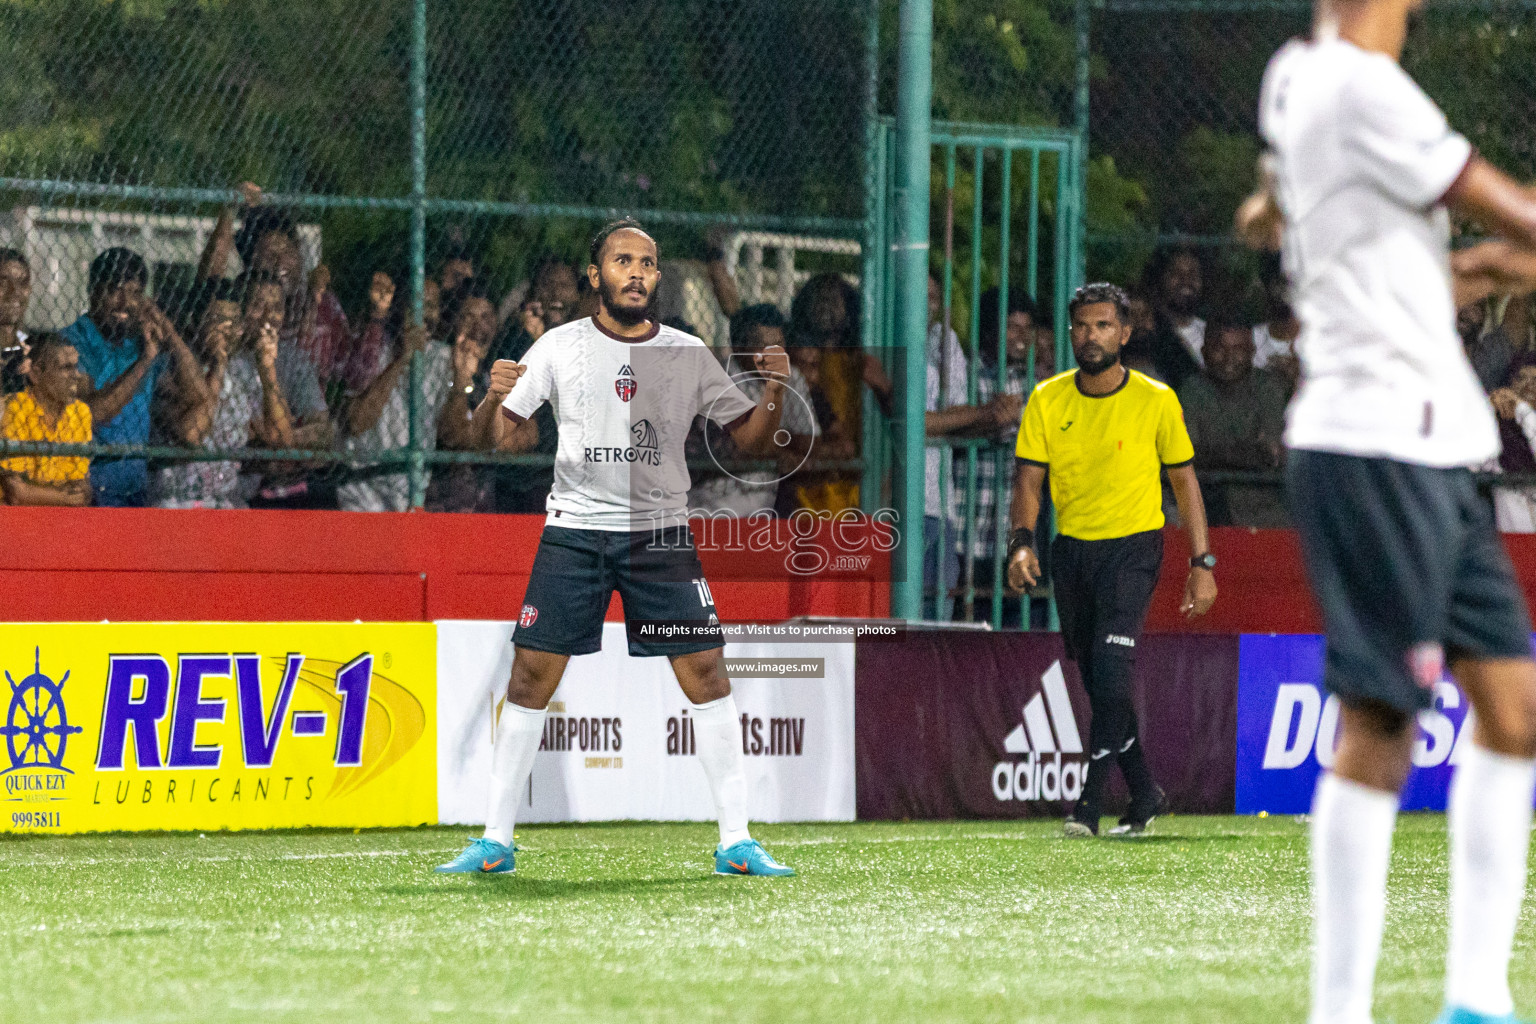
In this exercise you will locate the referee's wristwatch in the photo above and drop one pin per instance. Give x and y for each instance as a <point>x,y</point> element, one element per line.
<point>1206,561</point>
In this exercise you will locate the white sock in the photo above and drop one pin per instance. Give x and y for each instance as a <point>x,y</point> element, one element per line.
<point>517,739</point>
<point>1490,823</point>
<point>718,729</point>
<point>1351,847</point>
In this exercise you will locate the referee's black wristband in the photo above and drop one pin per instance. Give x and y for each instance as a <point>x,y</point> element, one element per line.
<point>1020,538</point>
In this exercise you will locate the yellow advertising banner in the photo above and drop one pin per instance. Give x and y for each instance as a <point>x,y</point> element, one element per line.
<point>148,726</point>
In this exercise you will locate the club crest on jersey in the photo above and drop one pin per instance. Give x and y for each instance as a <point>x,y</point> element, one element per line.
<point>626,385</point>
<point>529,617</point>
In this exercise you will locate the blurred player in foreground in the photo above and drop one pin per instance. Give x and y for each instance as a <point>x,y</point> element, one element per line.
<point>1105,433</point>
<point>1402,552</point>
<point>624,390</point>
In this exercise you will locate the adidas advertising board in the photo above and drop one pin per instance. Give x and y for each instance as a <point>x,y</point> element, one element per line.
<point>619,742</point>
<point>962,724</point>
<point>1288,726</point>
<point>1048,733</point>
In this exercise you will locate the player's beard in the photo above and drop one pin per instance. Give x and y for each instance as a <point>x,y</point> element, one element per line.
<point>625,317</point>
<point>1093,360</point>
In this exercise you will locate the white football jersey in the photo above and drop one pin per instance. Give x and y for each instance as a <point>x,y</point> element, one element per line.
<point>1363,160</point>
<point>624,408</point>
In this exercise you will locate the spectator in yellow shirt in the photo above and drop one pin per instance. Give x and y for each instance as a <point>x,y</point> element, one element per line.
<point>48,410</point>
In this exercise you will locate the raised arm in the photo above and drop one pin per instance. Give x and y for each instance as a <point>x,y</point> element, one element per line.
<point>107,402</point>
<point>499,429</point>
<point>365,410</point>
<point>221,243</point>
<point>755,436</point>
<point>1258,219</point>
<point>275,428</point>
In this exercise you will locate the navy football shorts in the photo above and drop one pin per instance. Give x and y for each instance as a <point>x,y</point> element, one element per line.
<point>1408,569</point>
<point>657,575</point>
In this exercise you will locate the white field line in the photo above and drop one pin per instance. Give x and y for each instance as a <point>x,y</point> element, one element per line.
<point>1016,837</point>
<point>61,862</point>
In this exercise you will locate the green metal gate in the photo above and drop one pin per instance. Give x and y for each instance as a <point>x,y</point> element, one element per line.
<point>1024,229</point>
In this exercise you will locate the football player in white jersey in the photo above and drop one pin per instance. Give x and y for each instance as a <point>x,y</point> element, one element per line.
<point>625,391</point>
<point>1402,552</point>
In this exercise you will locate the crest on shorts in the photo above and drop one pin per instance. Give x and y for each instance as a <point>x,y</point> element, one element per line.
<point>626,385</point>
<point>529,617</point>
<point>1426,664</point>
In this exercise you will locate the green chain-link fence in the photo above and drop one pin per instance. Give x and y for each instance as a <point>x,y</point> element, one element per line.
<point>399,147</point>
<point>1173,109</point>
<point>1174,100</point>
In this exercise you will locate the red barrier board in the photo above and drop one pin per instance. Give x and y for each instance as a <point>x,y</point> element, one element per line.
<point>85,565</point>
<point>1263,583</point>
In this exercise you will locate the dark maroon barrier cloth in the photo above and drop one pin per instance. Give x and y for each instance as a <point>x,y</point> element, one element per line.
<point>969,725</point>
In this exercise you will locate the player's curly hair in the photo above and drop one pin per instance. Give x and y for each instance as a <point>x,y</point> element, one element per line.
<point>1102,291</point>
<point>595,254</point>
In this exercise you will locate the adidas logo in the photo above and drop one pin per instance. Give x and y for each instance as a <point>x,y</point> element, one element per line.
<point>1048,731</point>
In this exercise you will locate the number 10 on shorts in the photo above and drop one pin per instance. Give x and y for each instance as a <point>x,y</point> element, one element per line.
<point>706,599</point>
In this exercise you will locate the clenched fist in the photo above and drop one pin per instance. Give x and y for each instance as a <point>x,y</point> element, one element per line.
<point>774,362</point>
<point>504,374</point>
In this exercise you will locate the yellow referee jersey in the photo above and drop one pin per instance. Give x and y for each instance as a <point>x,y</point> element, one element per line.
<point>1105,452</point>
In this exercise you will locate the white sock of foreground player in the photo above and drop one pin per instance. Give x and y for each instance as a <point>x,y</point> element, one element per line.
<point>718,729</point>
<point>1351,846</point>
<point>1490,822</point>
<point>517,739</point>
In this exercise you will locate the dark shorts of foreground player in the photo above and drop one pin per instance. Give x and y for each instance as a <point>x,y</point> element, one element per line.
<point>1406,562</point>
<point>657,575</point>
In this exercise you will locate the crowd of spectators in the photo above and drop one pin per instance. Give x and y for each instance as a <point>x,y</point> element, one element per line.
<point>260,354</point>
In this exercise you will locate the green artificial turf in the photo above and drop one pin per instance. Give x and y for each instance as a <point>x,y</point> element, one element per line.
<point>921,921</point>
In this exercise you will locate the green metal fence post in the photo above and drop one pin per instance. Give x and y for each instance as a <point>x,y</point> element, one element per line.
<point>871,256</point>
<point>914,111</point>
<point>418,463</point>
<point>1080,121</point>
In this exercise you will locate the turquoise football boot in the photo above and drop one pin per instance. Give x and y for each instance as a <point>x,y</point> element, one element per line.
<point>481,857</point>
<point>1461,1015</point>
<point>749,858</point>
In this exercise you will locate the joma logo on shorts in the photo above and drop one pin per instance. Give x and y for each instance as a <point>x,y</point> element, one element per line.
<point>1123,641</point>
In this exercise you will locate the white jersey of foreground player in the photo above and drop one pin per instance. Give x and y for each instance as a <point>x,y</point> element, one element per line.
<point>624,408</point>
<point>1363,159</point>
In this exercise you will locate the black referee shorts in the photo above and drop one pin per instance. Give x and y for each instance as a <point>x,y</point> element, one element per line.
<point>1103,589</point>
<point>1408,570</point>
<point>657,575</point>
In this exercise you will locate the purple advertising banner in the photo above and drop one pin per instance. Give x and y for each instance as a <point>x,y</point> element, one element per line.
<point>1288,726</point>
<point>959,724</point>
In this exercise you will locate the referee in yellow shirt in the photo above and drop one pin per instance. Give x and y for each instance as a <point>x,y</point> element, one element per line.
<point>1105,433</point>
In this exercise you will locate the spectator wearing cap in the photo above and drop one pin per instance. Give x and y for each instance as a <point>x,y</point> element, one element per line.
<point>119,340</point>
<point>1235,414</point>
<point>48,410</point>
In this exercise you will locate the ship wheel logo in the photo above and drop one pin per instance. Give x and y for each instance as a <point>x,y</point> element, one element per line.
<point>36,729</point>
